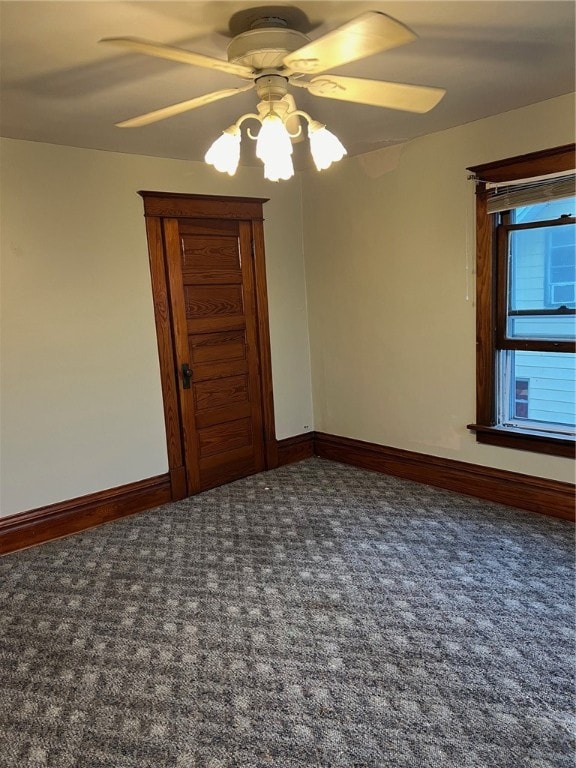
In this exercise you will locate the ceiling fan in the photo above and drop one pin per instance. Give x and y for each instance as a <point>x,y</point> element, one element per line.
<point>271,51</point>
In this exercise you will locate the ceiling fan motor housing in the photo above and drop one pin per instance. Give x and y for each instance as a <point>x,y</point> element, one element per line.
<point>265,48</point>
<point>271,87</point>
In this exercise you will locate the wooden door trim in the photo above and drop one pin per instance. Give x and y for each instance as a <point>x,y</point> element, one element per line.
<point>172,258</point>
<point>158,208</point>
<point>165,341</point>
<point>246,238</point>
<point>182,206</point>
<point>262,317</point>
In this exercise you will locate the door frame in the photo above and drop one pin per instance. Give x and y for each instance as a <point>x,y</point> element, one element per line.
<point>170,205</point>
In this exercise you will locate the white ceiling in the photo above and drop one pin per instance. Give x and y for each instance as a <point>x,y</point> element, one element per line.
<point>58,85</point>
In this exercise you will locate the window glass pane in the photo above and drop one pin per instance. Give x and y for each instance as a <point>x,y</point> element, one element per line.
<point>539,258</point>
<point>537,390</point>
<point>552,209</point>
<point>520,405</point>
<point>543,327</point>
<point>541,279</point>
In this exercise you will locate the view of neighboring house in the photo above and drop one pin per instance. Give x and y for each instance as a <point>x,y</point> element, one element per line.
<point>542,291</point>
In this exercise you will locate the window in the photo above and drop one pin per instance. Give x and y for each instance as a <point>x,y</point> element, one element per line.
<point>526,302</point>
<point>520,406</point>
<point>561,268</point>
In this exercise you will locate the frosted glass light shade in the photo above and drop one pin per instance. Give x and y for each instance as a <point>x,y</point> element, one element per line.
<point>274,143</point>
<point>278,167</point>
<point>224,154</point>
<point>273,139</point>
<point>326,148</point>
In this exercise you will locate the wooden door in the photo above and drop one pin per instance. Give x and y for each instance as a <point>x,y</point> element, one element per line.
<point>211,310</point>
<point>209,287</point>
<point>214,309</point>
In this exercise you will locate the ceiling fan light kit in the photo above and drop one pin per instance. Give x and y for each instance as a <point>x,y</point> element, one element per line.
<point>325,147</point>
<point>224,154</point>
<point>274,140</point>
<point>269,51</point>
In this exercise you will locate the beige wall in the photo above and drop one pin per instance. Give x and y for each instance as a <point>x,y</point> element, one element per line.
<point>389,252</point>
<point>81,407</point>
<point>389,249</point>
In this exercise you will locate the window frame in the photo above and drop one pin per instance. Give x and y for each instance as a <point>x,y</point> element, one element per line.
<point>550,284</point>
<point>503,340</point>
<point>525,400</point>
<point>488,282</point>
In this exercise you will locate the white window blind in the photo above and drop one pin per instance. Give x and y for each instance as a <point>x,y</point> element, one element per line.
<point>512,194</point>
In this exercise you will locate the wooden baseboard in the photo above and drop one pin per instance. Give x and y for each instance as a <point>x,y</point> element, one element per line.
<point>57,520</point>
<point>536,494</point>
<point>548,497</point>
<point>296,448</point>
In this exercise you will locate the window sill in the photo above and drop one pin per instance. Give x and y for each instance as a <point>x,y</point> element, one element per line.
<point>523,440</point>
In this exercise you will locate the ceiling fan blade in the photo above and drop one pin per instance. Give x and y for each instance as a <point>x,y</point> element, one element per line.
<point>366,35</point>
<point>378,93</point>
<point>178,54</point>
<point>183,106</point>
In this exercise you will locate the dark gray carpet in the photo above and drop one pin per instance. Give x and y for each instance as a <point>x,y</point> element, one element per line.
<point>317,616</point>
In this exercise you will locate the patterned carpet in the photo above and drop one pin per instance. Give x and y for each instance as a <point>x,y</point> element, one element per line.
<point>316,616</point>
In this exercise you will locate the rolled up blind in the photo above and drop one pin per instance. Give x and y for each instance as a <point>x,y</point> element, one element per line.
<point>503,196</point>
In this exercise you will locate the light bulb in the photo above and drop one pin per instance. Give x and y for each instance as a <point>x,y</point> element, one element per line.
<point>325,147</point>
<point>224,154</point>
<point>278,167</point>
<point>273,139</point>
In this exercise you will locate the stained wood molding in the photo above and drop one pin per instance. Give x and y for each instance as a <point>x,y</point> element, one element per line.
<point>171,218</point>
<point>179,204</point>
<point>553,160</point>
<point>296,448</point>
<point>57,520</point>
<point>548,497</point>
<point>491,279</point>
<point>536,494</point>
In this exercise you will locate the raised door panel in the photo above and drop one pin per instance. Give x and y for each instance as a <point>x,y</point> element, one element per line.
<point>218,320</point>
<point>217,393</point>
<point>217,347</point>
<point>212,301</point>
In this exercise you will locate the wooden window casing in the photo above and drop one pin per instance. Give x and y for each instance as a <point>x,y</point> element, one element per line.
<point>489,282</point>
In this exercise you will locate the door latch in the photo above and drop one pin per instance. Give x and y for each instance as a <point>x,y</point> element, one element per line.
<point>186,375</point>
